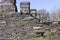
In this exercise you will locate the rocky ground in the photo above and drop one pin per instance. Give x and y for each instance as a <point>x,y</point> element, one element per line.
<point>18,28</point>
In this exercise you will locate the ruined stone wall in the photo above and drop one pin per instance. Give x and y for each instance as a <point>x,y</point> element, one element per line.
<point>8,6</point>
<point>11,1</point>
<point>25,7</point>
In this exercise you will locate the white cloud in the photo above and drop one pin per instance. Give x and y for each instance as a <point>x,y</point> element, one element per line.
<point>18,10</point>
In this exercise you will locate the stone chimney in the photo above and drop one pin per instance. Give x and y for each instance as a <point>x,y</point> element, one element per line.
<point>25,7</point>
<point>33,12</point>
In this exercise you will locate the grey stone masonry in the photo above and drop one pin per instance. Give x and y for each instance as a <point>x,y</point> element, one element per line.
<point>8,6</point>
<point>25,7</point>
